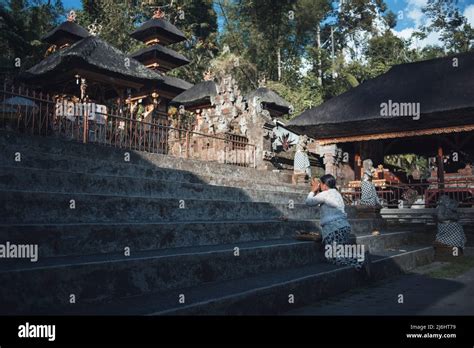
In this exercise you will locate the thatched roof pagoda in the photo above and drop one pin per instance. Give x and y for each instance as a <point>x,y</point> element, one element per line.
<point>67,33</point>
<point>157,33</point>
<point>158,29</point>
<point>441,87</point>
<point>198,96</point>
<point>160,58</point>
<point>94,59</point>
<point>271,101</point>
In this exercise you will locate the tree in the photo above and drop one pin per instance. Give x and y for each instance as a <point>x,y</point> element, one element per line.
<point>384,51</point>
<point>22,25</point>
<point>116,20</point>
<point>446,18</point>
<point>198,20</point>
<point>261,32</point>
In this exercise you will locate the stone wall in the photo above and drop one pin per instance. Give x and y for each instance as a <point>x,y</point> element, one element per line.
<point>229,115</point>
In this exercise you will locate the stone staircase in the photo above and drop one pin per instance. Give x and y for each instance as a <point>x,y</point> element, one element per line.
<point>161,235</point>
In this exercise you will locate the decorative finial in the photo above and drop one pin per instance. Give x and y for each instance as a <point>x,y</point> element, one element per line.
<point>158,14</point>
<point>94,28</point>
<point>208,76</point>
<point>72,16</point>
<point>262,82</point>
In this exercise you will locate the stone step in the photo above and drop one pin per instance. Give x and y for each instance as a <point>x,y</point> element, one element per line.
<point>312,283</point>
<point>44,207</point>
<point>51,162</point>
<point>96,238</point>
<point>96,278</point>
<point>93,238</point>
<point>261,294</point>
<point>69,182</point>
<point>29,207</point>
<point>43,147</point>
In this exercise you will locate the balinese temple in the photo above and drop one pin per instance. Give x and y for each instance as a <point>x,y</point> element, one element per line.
<point>79,64</point>
<point>156,34</point>
<point>79,60</point>
<point>424,108</point>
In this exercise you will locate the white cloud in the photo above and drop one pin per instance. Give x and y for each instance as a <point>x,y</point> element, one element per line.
<point>433,39</point>
<point>469,14</point>
<point>405,33</point>
<point>414,13</point>
<point>417,3</point>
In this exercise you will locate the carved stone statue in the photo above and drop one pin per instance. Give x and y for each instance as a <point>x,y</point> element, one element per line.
<point>450,231</point>
<point>301,164</point>
<point>222,125</point>
<point>243,125</point>
<point>369,195</point>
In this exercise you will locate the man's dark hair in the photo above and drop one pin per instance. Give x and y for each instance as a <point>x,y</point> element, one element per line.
<point>328,180</point>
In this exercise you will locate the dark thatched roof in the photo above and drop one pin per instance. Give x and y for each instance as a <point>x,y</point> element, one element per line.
<point>158,51</point>
<point>94,54</point>
<point>270,100</point>
<point>161,28</point>
<point>443,91</point>
<point>65,33</point>
<point>176,83</point>
<point>199,94</point>
<point>268,96</point>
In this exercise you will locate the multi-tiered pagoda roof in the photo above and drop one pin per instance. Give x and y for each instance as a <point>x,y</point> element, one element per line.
<point>67,33</point>
<point>157,33</point>
<point>158,28</point>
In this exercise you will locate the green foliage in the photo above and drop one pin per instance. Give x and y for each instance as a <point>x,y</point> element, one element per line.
<point>446,18</point>
<point>242,70</point>
<point>259,31</point>
<point>305,95</point>
<point>385,51</point>
<point>117,21</point>
<point>409,162</point>
<point>456,267</point>
<point>22,24</point>
<point>198,20</point>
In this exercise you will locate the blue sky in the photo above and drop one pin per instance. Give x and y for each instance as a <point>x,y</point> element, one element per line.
<point>411,18</point>
<point>408,11</point>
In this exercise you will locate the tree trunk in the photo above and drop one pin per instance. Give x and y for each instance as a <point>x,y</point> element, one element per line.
<point>320,68</point>
<point>279,63</point>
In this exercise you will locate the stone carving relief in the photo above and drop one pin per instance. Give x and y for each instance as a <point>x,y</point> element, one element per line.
<point>230,112</point>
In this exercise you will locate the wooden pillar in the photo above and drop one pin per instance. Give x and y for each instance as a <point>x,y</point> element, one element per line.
<point>85,116</point>
<point>440,167</point>
<point>357,164</point>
